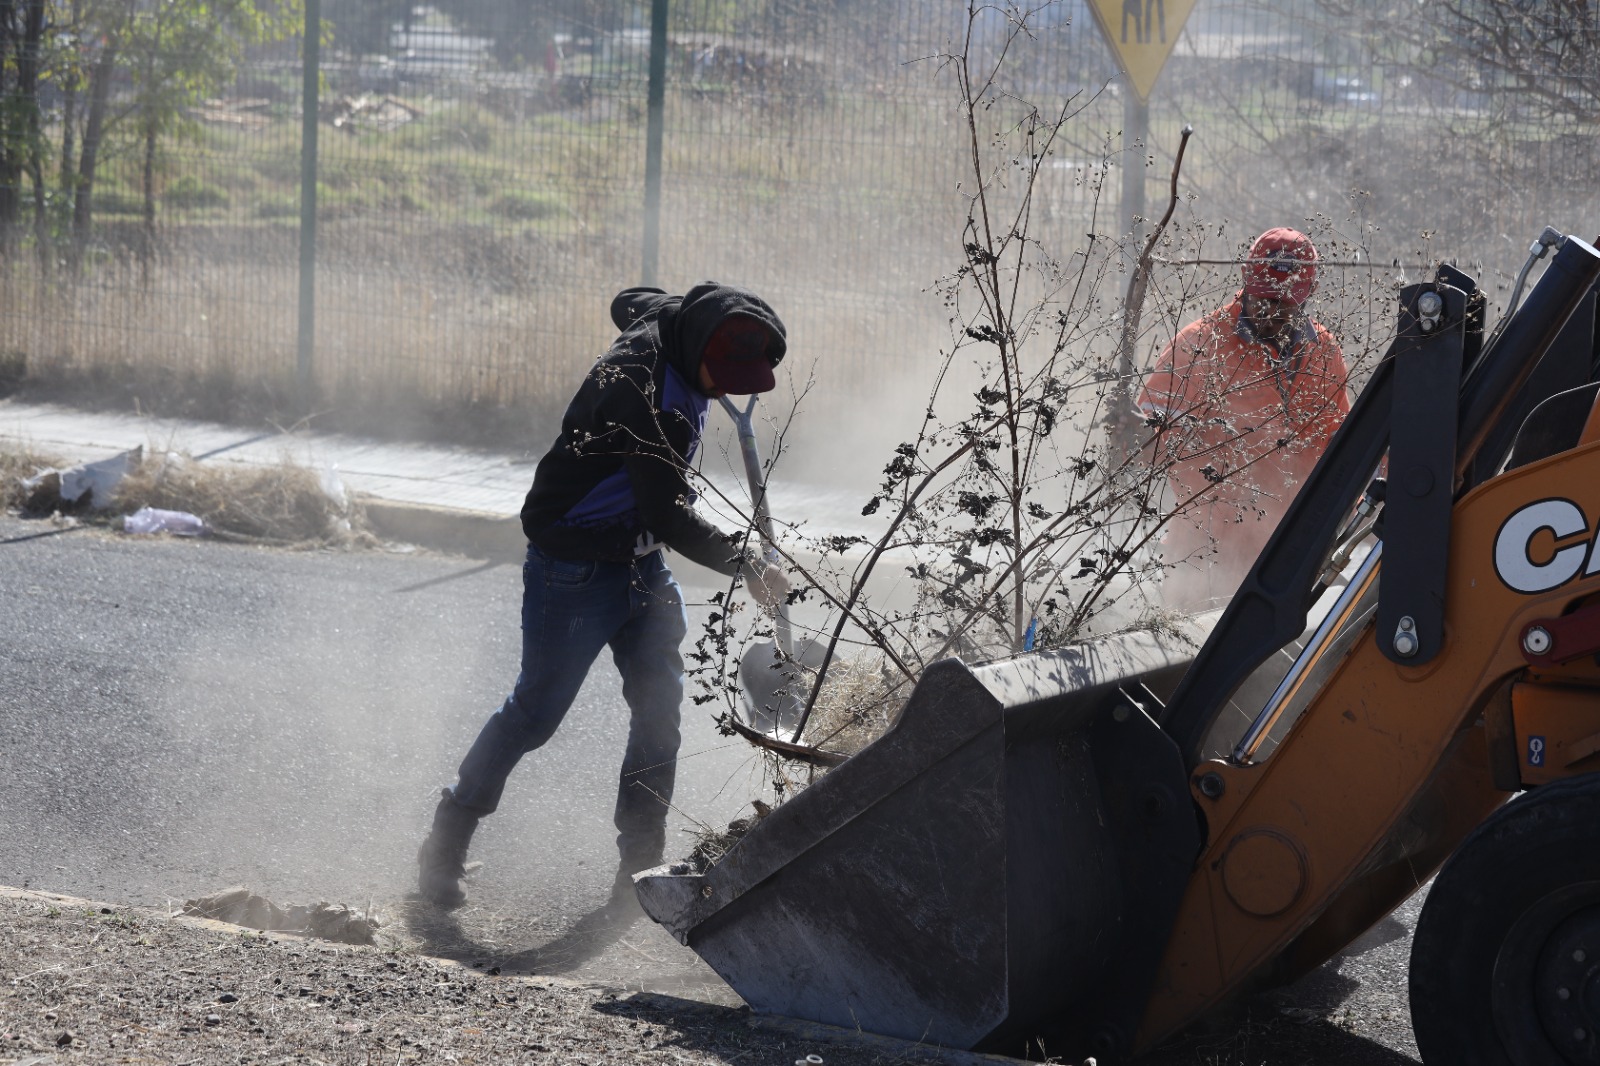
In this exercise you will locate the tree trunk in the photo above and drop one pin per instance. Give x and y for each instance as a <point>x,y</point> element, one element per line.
<point>69,135</point>
<point>88,160</point>
<point>67,177</point>
<point>10,161</point>
<point>71,86</point>
<point>68,174</point>
<point>41,212</point>
<point>29,62</point>
<point>19,118</point>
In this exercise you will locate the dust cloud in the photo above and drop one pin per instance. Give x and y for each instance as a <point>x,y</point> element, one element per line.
<point>292,736</point>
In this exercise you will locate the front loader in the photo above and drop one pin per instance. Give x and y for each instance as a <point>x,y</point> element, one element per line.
<point>1082,851</point>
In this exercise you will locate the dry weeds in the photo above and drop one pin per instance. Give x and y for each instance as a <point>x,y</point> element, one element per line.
<point>16,466</point>
<point>286,503</point>
<point>711,844</point>
<point>860,699</point>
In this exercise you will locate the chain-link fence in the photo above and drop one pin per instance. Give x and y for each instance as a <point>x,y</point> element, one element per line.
<point>481,175</point>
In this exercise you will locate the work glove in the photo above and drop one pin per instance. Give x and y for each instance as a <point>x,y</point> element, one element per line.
<point>769,585</point>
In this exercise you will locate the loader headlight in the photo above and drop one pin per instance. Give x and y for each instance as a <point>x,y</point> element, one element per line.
<point>1430,307</point>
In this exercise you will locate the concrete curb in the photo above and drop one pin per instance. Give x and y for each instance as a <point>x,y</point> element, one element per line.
<point>478,535</point>
<point>475,534</point>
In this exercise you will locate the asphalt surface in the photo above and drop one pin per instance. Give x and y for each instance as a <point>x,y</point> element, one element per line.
<point>177,717</point>
<point>181,716</point>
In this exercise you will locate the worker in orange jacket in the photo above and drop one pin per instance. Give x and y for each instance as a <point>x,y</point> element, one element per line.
<point>1242,403</point>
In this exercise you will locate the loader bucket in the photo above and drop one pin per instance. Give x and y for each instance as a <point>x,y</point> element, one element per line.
<point>999,871</point>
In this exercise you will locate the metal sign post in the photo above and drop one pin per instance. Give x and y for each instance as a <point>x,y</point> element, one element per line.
<point>1141,34</point>
<point>1135,135</point>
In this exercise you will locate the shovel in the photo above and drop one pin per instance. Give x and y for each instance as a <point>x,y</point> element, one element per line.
<point>771,672</point>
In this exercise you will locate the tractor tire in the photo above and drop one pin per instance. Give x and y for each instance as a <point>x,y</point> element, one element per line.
<point>1505,962</point>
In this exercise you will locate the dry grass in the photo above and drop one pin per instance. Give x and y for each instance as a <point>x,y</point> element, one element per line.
<point>284,503</point>
<point>710,844</point>
<point>860,699</point>
<point>216,339</point>
<point>16,466</point>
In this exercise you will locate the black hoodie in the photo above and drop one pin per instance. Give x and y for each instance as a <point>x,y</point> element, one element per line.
<point>614,484</point>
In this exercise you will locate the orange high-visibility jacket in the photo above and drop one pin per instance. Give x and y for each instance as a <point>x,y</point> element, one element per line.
<point>1241,424</point>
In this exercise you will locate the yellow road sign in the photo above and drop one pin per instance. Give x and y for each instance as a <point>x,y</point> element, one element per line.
<point>1141,34</point>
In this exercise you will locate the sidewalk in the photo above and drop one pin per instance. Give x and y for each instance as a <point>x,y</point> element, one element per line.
<point>450,499</point>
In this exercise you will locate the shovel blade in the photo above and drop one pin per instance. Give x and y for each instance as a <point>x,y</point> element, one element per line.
<point>774,686</point>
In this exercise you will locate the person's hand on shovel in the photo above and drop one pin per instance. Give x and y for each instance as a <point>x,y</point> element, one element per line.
<point>769,585</point>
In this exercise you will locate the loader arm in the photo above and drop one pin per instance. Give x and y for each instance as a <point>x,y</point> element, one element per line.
<point>1390,762</point>
<point>1386,770</point>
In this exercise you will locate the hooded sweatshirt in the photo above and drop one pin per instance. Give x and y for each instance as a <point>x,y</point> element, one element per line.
<point>614,485</point>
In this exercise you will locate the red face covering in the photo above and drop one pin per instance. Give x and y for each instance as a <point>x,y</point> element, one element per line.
<point>736,356</point>
<point>1282,266</point>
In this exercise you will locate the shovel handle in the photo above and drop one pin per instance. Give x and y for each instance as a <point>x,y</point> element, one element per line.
<point>751,454</point>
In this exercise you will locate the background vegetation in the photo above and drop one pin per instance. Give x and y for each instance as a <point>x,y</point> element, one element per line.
<point>482,167</point>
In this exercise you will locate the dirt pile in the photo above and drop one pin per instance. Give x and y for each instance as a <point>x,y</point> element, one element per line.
<point>328,921</point>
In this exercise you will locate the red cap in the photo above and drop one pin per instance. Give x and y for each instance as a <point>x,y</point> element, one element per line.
<point>736,356</point>
<point>1282,266</point>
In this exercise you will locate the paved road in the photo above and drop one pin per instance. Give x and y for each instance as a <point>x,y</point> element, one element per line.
<point>177,717</point>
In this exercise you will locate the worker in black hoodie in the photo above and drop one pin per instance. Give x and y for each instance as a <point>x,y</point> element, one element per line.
<point>607,497</point>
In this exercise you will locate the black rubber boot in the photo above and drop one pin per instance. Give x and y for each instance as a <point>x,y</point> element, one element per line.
<point>442,860</point>
<point>624,901</point>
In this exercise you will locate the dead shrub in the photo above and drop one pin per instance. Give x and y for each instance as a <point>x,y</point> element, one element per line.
<point>711,844</point>
<point>285,503</point>
<point>17,466</point>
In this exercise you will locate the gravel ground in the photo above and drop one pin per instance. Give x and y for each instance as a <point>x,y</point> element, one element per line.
<point>82,982</point>
<point>90,982</point>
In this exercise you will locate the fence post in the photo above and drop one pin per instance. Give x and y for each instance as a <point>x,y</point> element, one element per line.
<point>306,336</point>
<point>656,116</point>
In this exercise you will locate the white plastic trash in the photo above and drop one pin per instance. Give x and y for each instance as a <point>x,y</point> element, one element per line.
<point>155,520</point>
<point>333,487</point>
<point>98,481</point>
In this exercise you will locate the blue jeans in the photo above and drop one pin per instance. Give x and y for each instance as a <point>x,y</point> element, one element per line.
<point>570,610</point>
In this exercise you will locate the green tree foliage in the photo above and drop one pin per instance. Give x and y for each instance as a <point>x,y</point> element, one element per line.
<point>22,44</point>
<point>178,52</point>
<point>121,73</point>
